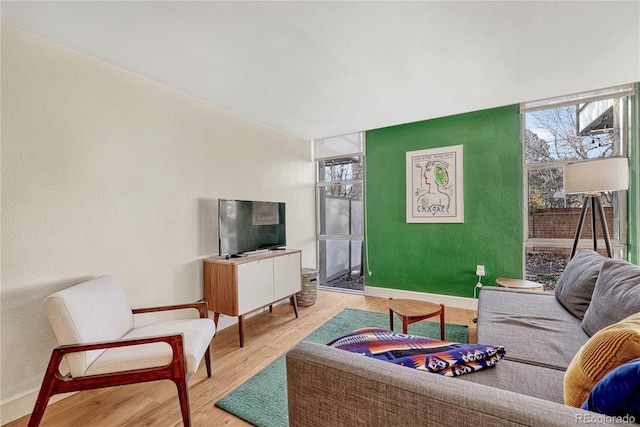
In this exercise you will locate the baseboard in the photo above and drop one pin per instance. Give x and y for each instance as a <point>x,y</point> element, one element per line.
<point>447,300</point>
<point>18,406</point>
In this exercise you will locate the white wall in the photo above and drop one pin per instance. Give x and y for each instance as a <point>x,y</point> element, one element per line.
<point>104,172</point>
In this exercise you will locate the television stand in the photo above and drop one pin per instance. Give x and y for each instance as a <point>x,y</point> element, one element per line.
<point>239,286</point>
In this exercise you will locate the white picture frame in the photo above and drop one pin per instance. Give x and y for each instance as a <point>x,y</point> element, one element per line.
<point>434,185</point>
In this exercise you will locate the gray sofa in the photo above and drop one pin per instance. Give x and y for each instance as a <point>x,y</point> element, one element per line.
<point>331,387</point>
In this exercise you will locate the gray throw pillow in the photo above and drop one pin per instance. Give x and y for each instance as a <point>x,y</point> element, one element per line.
<point>615,297</point>
<point>575,286</point>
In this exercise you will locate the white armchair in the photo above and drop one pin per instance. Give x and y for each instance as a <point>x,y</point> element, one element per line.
<point>104,342</point>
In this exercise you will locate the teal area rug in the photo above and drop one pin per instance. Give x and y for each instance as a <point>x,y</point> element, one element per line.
<point>262,399</point>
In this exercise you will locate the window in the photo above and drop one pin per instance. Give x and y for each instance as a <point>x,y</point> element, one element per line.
<point>340,219</point>
<point>556,132</point>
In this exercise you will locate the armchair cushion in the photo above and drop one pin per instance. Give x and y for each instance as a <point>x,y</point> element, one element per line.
<point>197,334</point>
<point>93,311</point>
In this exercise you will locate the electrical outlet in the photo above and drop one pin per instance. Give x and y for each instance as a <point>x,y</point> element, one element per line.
<point>480,270</point>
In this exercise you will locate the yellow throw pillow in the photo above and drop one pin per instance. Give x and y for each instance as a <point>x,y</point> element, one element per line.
<point>605,350</point>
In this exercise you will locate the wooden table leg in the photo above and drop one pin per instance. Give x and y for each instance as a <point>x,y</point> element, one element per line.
<point>294,302</point>
<point>391,320</point>
<point>405,324</point>
<point>241,330</point>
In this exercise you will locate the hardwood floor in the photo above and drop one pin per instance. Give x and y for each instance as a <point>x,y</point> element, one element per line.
<point>267,336</point>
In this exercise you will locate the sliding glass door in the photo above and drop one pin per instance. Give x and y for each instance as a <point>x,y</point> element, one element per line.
<point>340,212</point>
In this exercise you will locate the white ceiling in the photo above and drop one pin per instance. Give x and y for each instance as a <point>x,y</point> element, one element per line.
<point>318,69</point>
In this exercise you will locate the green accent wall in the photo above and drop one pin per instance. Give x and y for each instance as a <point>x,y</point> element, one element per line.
<point>441,258</point>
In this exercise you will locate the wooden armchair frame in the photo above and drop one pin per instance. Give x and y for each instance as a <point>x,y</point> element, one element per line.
<point>55,383</point>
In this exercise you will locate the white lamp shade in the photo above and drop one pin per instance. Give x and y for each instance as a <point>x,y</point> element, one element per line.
<point>607,174</point>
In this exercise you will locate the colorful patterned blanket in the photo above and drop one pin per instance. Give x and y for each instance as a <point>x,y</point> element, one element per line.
<point>425,354</point>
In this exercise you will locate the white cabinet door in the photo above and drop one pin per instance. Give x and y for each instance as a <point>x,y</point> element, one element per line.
<point>255,285</point>
<point>287,279</point>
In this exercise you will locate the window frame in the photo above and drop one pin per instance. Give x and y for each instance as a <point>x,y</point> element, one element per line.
<point>619,236</point>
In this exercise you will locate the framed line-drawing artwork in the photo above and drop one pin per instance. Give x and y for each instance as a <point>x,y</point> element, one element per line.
<point>434,185</point>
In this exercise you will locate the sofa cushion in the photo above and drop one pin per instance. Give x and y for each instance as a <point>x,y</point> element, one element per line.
<point>618,392</point>
<point>533,326</point>
<point>616,295</point>
<point>575,286</point>
<point>606,350</point>
<point>424,354</point>
<point>523,378</point>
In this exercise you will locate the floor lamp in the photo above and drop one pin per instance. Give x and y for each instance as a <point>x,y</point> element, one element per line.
<point>592,177</point>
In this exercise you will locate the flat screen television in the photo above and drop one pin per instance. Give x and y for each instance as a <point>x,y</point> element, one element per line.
<point>245,226</point>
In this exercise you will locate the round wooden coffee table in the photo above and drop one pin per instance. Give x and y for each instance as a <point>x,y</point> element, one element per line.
<point>411,311</point>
